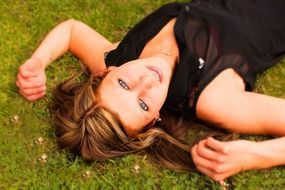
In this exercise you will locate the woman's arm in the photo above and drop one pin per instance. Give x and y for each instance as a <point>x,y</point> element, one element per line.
<point>225,103</point>
<point>220,160</point>
<point>79,39</point>
<point>71,35</point>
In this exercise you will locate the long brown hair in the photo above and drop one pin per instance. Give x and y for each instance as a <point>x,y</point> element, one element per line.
<point>85,128</point>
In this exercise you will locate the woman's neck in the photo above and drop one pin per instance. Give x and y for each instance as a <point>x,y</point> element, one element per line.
<point>163,45</point>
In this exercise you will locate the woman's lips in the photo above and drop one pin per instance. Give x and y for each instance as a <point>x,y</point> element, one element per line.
<point>157,72</point>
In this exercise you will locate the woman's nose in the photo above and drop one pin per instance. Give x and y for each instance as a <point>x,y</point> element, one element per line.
<point>146,82</point>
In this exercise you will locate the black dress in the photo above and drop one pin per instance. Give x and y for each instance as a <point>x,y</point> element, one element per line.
<point>212,35</point>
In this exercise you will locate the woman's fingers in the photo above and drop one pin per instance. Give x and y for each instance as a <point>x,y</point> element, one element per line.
<point>33,97</point>
<point>26,83</point>
<point>215,176</point>
<point>33,91</point>
<point>198,159</point>
<point>218,176</point>
<point>31,79</point>
<point>220,160</point>
<point>215,170</point>
<point>216,145</point>
<point>208,153</point>
<point>212,164</point>
<point>31,88</point>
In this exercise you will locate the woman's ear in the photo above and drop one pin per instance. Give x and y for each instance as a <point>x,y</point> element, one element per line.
<point>105,71</point>
<point>111,68</point>
<point>101,73</point>
<point>157,116</point>
<point>156,119</point>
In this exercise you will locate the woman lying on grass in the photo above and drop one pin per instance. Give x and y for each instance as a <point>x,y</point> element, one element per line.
<point>183,62</point>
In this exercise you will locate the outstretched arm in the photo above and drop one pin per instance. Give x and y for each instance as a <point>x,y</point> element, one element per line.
<point>71,35</point>
<point>225,103</point>
<point>220,160</point>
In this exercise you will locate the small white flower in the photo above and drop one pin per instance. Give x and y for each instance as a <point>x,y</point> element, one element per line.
<point>15,119</point>
<point>87,174</point>
<point>224,185</point>
<point>136,169</point>
<point>40,140</point>
<point>43,158</point>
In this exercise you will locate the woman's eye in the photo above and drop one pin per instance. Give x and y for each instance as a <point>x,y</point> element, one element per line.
<point>123,84</point>
<point>143,105</point>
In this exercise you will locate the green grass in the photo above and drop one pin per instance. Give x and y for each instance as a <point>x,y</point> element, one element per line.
<point>23,24</point>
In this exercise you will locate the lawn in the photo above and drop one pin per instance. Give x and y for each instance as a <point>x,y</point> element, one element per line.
<point>29,158</point>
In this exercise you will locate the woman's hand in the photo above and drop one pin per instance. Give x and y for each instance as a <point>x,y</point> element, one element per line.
<point>31,79</point>
<point>220,160</point>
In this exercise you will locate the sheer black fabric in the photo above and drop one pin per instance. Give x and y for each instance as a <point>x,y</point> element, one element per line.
<point>212,35</point>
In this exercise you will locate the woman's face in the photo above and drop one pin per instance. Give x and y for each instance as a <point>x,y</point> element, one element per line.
<point>136,91</point>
